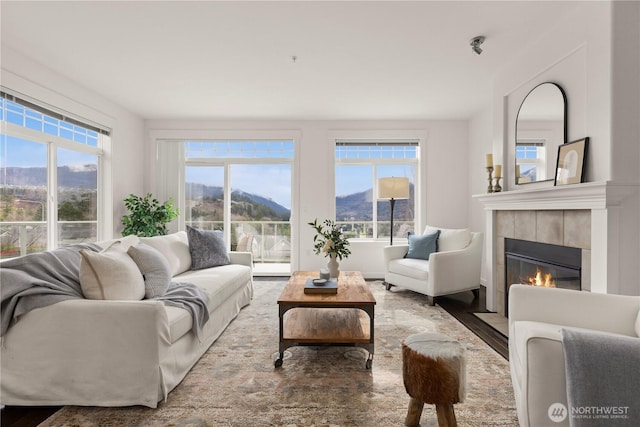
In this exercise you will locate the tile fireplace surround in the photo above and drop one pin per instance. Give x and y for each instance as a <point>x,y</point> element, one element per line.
<point>591,216</point>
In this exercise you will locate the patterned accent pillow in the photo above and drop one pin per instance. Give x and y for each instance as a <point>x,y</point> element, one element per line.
<point>154,267</point>
<point>110,275</point>
<point>207,248</point>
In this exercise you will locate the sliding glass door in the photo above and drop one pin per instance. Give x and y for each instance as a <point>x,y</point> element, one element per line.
<point>244,189</point>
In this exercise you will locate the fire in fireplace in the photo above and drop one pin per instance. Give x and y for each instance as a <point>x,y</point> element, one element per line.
<point>541,264</point>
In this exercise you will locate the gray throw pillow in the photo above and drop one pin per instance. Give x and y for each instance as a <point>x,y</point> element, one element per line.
<point>154,267</point>
<point>421,246</point>
<point>207,248</point>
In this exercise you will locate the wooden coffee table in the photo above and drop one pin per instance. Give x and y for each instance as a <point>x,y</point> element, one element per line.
<point>345,318</point>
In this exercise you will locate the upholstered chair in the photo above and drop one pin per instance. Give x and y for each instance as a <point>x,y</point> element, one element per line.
<point>438,262</point>
<point>547,329</point>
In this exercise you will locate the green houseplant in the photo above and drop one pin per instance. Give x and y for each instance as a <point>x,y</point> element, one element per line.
<point>330,241</point>
<point>147,217</point>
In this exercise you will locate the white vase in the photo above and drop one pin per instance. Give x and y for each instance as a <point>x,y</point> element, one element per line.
<point>333,266</point>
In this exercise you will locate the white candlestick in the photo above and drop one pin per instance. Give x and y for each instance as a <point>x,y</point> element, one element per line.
<point>498,171</point>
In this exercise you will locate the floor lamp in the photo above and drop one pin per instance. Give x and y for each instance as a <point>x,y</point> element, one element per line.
<point>393,188</point>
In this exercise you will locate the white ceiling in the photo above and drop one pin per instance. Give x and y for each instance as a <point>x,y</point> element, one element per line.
<point>355,60</point>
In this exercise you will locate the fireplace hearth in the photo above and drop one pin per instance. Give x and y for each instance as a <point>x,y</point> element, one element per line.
<point>541,264</point>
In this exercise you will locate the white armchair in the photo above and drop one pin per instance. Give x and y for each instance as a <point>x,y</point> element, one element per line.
<point>454,268</point>
<point>536,357</point>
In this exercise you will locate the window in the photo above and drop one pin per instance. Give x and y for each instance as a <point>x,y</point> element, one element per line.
<point>359,165</point>
<point>244,189</point>
<point>530,155</point>
<point>49,181</point>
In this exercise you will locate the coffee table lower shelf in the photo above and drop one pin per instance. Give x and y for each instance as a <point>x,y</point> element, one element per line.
<point>326,326</point>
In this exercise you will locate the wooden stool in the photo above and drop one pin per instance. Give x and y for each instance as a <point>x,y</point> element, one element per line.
<point>434,371</point>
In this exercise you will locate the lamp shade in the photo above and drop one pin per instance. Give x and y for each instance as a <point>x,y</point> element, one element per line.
<point>393,188</point>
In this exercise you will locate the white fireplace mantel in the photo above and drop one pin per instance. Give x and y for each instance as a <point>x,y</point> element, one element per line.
<point>614,212</point>
<point>591,195</point>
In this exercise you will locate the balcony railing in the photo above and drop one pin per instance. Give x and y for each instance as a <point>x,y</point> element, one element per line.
<point>268,241</point>
<point>364,229</point>
<point>19,238</point>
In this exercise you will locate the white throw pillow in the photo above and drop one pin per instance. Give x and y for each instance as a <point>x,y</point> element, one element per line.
<point>638,324</point>
<point>175,248</point>
<point>451,239</point>
<point>110,275</point>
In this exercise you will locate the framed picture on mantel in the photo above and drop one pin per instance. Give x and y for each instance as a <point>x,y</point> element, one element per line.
<point>571,162</point>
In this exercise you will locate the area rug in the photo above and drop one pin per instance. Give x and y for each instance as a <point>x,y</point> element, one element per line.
<point>235,382</point>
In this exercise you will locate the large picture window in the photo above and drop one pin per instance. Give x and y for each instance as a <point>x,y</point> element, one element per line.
<point>359,166</point>
<point>49,178</point>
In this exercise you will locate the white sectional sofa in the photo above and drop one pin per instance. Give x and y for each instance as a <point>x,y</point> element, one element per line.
<point>120,352</point>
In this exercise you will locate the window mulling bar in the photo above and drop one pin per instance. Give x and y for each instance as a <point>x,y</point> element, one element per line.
<point>53,114</point>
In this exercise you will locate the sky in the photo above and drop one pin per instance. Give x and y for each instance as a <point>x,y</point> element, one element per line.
<point>17,152</point>
<point>269,180</point>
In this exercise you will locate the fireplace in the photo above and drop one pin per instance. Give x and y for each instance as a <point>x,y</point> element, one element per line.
<point>541,264</point>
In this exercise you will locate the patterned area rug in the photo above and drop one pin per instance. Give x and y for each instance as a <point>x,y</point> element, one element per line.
<point>235,382</point>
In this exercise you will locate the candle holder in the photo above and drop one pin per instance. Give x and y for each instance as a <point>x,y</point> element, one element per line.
<point>497,188</point>
<point>490,187</point>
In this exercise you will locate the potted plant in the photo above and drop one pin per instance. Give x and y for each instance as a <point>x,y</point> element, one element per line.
<point>147,216</point>
<point>330,241</point>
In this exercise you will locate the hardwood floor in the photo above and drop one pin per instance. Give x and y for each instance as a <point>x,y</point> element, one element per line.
<point>25,416</point>
<point>461,306</point>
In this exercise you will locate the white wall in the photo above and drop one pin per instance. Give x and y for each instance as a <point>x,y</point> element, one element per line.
<point>594,54</point>
<point>445,188</point>
<point>625,87</point>
<point>480,143</point>
<point>576,54</point>
<point>126,154</point>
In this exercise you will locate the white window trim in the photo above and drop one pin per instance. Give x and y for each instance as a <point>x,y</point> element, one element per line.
<point>30,91</point>
<point>168,178</point>
<point>52,143</point>
<point>387,135</point>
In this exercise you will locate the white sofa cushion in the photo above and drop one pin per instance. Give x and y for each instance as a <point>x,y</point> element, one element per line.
<point>219,283</point>
<point>410,267</point>
<point>175,248</point>
<point>110,274</point>
<point>637,325</point>
<point>180,322</point>
<point>450,239</point>
<point>125,242</point>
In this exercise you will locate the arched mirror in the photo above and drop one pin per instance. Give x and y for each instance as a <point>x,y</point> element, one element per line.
<point>541,126</point>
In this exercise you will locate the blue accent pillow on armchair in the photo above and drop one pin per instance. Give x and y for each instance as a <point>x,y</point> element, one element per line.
<point>421,246</point>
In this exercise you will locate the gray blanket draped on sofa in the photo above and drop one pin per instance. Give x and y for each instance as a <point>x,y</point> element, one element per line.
<point>45,278</point>
<point>603,377</point>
